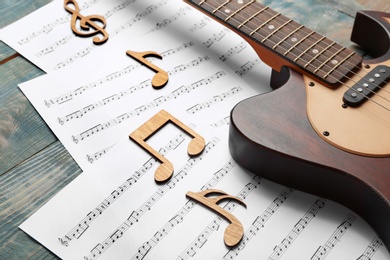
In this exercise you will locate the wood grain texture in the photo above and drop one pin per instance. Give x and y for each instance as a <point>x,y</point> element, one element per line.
<point>25,189</point>
<point>5,51</point>
<point>22,131</point>
<point>11,11</point>
<point>34,165</point>
<point>375,5</point>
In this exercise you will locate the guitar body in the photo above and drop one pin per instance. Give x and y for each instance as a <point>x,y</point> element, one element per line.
<point>275,136</point>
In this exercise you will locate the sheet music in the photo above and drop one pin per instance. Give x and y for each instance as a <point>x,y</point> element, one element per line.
<point>113,94</point>
<point>122,213</point>
<point>115,209</point>
<point>51,45</point>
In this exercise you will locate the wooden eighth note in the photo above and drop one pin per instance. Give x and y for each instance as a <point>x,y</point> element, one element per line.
<point>161,78</point>
<point>235,231</point>
<point>86,23</point>
<point>165,170</point>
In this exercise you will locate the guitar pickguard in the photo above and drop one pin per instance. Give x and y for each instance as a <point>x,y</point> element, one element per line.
<point>362,130</point>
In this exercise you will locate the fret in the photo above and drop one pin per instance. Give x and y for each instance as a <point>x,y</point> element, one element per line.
<point>338,64</point>
<point>331,57</point>
<point>219,7</point>
<point>238,10</point>
<point>262,25</point>
<point>311,46</point>
<point>287,36</point>
<point>275,31</point>
<point>318,54</point>
<point>253,16</point>
<point>298,42</point>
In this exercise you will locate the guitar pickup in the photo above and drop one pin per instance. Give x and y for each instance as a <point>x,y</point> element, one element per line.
<point>367,86</point>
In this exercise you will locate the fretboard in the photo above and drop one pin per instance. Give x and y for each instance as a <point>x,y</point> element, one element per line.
<point>306,49</point>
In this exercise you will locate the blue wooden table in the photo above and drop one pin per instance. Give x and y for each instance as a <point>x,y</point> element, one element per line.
<point>34,165</point>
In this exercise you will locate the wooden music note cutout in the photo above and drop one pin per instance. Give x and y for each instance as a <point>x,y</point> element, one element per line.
<point>161,78</point>
<point>235,231</point>
<point>165,170</point>
<point>86,23</point>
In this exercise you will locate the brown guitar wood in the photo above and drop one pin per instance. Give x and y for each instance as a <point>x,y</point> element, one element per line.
<point>271,136</point>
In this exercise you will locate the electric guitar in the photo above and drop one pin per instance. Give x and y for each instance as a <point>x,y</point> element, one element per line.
<point>325,129</point>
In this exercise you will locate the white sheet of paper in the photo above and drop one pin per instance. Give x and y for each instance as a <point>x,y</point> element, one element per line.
<point>122,213</point>
<point>115,209</point>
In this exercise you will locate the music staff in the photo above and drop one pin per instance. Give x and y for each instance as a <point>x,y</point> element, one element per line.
<point>202,23</point>
<point>91,158</point>
<point>232,51</point>
<point>259,223</point>
<point>139,17</point>
<point>182,47</point>
<point>247,67</point>
<point>46,29</point>
<point>202,238</point>
<point>216,38</point>
<point>222,122</point>
<point>66,97</point>
<point>371,249</point>
<point>54,46</point>
<point>134,217</point>
<point>158,101</point>
<point>180,215</point>
<point>324,250</point>
<point>280,249</point>
<point>189,65</point>
<point>164,23</point>
<point>136,112</point>
<point>213,101</point>
<point>83,225</point>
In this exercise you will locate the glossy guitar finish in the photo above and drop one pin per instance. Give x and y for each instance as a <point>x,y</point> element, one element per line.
<point>271,134</point>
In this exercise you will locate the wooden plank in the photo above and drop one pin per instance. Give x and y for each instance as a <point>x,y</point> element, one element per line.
<point>5,52</point>
<point>382,5</point>
<point>11,11</point>
<point>25,189</point>
<point>22,131</point>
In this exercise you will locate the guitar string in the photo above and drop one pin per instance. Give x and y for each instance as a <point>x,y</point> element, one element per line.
<point>325,65</point>
<point>346,86</point>
<point>271,14</point>
<point>299,29</point>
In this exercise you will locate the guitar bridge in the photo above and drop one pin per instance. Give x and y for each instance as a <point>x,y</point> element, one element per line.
<point>367,86</point>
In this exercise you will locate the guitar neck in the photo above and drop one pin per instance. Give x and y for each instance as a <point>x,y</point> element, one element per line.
<point>300,47</point>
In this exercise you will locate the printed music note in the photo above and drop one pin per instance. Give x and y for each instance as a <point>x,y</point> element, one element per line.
<point>165,170</point>
<point>235,231</point>
<point>86,23</point>
<point>161,78</point>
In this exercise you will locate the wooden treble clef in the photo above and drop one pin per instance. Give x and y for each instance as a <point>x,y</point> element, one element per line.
<point>86,23</point>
